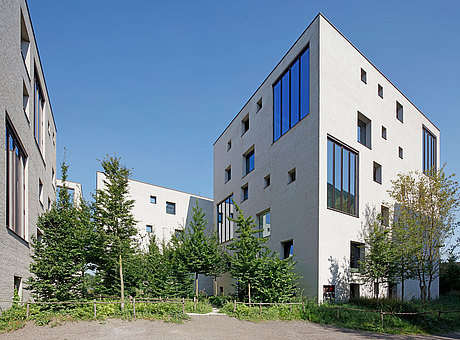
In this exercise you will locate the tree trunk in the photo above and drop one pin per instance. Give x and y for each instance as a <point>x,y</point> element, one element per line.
<point>402,283</point>
<point>122,285</point>
<point>196,285</point>
<point>376,291</point>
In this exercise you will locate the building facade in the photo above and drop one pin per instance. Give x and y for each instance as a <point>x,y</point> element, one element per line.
<point>74,189</point>
<point>29,142</point>
<point>312,153</point>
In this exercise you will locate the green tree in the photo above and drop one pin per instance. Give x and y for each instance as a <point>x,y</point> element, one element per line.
<point>116,225</point>
<point>377,267</point>
<point>199,252</point>
<point>449,280</point>
<point>60,258</point>
<point>271,278</point>
<point>426,207</point>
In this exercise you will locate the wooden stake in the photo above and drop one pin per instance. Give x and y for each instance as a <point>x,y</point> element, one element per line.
<point>381,318</point>
<point>183,306</point>
<point>134,307</point>
<point>194,303</point>
<point>249,291</point>
<point>27,315</point>
<point>260,308</point>
<point>234,306</point>
<point>303,307</point>
<point>94,304</point>
<point>291,308</point>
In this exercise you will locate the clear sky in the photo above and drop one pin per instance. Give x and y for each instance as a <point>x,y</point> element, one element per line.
<point>156,82</point>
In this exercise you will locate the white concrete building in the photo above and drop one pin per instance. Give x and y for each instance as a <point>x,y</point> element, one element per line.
<point>28,141</point>
<point>74,189</point>
<point>317,143</point>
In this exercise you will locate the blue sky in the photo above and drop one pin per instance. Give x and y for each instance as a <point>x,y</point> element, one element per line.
<point>157,82</point>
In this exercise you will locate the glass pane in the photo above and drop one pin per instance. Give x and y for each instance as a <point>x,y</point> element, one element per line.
<point>295,93</point>
<point>277,111</point>
<point>345,179</point>
<point>352,183</point>
<point>330,174</point>
<point>305,84</point>
<point>338,176</point>
<point>285,104</point>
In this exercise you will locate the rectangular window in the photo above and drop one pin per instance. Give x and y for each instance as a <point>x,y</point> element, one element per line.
<point>291,96</point>
<point>18,286</point>
<point>400,152</point>
<point>244,192</point>
<point>377,173</point>
<point>385,215</point>
<point>291,176</point>
<point>342,175</point>
<point>15,183</point>
<point>39,103</point>
<point>264,224</point>
<point>399,112</point>
<point>267,181</point>
<point>25,43</point>
<point>225,227</point>
<point>171,208</point>
<point>25,100</point>
<point>384,132</point>
<point>249,162</point>
<point>364,130</point>
<point>380,90</point>
<point>228,174</point>
<point>329,293</point>
<point>153,199</point>
<point>354,291</point>
<point>288,249</point>
<point>356,255</point>
<point>148,228</point>
<point>245,125</point>
<point>259,105</point>
<point>363,76</point>
<point>429,151</point>
<point>40,192</point>
<point>229,145</point>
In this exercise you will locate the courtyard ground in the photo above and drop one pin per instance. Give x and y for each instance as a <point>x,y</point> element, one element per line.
<point>199,327</point>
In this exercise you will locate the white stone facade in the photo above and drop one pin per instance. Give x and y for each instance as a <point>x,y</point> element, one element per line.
<point>74,189</point>
<point>339,93</point>
<point>28,157</point>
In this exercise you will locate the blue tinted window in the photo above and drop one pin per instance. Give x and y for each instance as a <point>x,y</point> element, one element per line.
<point>338,176</point>
<point>330,173</point>
<point>171,208</point>
<point>250,162</point>
<point>285,104</point>
<point>305,84</point>
<point>429,151</point>
<point>148,228</point>
<point>295,93</point>
<point>277,112</point>
<point>153,199</point>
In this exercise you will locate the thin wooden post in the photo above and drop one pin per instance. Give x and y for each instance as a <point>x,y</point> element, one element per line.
<point>194,303</point>
<point>249,291</point>
<point>183,306</point>
<point>260,308</point>
<point>303,307</point>
<point>27,315</point>
<point>234,306</point>
<point>338,313</point>
<point>134,307</point>
<point>291,308</point>
<point>381,318</point>
<point>94,305</point>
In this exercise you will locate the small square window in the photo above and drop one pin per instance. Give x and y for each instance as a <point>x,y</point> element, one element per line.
<point>228,174</point>
<point>288,249</point>
<point>267,181</point>
<point>171,208</point>
<point>292,176</point>
<point>401,152</point>
<point>363,76</point>
<point>153,199</point>
<point>148,228</point>
<point>399,112</point>
<point>245,125</point>
<point>229,145</point>
<point>244,192</point>
<point>259,104</point>
<point>377,173</point>
<point>384,132</point>
<point>380,90</point>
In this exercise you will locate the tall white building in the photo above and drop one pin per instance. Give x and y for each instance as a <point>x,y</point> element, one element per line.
<point>28,140</point>
<point>317,143</point>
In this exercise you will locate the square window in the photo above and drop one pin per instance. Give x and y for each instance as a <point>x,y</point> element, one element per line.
<point>377,173</point>
<point>228,174</point>
<point>148,228</point>
<point>401,152</point>
<point>229,145</point>
<point>356,254</point>
<point>259,104</point>
<point>384,132</point>
<point>171,208</point>
<point>380,90</point>
<point>245,125</point>
<point>399,112</point>
<point>363,76</point>
<point>292,176</point>
<point>153,199</point>
<point>364,130</point>
<point>288,249</point>
<point>244,192</point>
<point>267,181</point>
<point>249,161</point>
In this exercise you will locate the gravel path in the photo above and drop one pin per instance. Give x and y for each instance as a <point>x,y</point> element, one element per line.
<point>199,327</point>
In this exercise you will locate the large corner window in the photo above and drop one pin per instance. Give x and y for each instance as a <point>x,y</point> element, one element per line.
<point>15,184</point>
<point>39,104</point>
<point>291,95</point>
<point>225,227</point>
<point>429,151</point>
<point>342,175</point>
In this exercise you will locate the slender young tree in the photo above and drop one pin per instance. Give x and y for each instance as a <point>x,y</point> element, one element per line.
<point>115,221</point>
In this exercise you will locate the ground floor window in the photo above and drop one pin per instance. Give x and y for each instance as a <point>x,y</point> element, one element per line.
<point>354,291</point>
<point>225,227</point>
<point>329,293</point>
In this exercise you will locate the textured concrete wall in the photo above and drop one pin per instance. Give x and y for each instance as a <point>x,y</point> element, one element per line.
<point>41,161</point>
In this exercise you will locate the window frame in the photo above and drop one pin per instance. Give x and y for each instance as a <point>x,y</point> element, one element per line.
<point>225,227</point>
<point>429,147</point>
<point>170,204</point>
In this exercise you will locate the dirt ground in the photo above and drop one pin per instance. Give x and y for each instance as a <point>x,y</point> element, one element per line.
<point>199,327</point>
